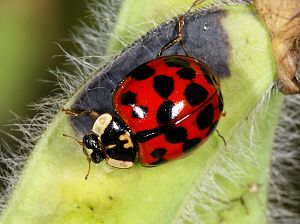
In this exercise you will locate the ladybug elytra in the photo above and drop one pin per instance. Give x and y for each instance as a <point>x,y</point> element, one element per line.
<point>165,107</point>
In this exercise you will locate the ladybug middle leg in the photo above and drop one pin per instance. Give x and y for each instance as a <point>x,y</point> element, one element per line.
<point>90,113</point>
<point>195,3</point>
<point>179,37</point>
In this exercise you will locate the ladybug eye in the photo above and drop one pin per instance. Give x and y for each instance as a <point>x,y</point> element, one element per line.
<point>91,141</point>
<point>97,157</point>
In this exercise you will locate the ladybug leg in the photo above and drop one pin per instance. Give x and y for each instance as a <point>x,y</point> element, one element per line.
<point>91,113</point>
<point>222,137</point>
<point>179,36</point>
<point>180,33</point>
<point>89,169</point>
<point>217,78</point>
<point>177,39</point>
<point>88,158</point>
<point>197,2</point>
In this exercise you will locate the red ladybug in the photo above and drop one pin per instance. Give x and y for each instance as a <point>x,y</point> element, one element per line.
<point>165,107</point>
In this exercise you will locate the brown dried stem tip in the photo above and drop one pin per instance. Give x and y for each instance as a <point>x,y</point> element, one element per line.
<point>282,18</point>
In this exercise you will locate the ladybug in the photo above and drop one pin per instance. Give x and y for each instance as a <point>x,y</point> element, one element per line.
<point>164,108</point>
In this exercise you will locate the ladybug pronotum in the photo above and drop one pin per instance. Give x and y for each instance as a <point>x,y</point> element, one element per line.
<point>164,108</point>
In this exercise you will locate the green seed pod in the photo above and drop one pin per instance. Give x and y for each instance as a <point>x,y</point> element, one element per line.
<point>217,183</point>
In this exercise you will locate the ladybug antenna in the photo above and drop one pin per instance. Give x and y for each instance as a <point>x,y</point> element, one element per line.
<point>69,136</point>
<point>88,158</point>
<point>89,169</point>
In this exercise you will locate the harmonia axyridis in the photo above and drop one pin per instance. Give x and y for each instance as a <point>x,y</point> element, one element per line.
<point>165,107</point>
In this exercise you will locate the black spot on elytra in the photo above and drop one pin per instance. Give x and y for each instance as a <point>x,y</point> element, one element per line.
<point>142,72</point>
<point>176,134</point>
<point>176,62</point>
<point>209,78</point>
<point>164,112</point>
<point>195,94</point>
<point>157,162</point>
<point>189,144</point>
<point>212,128</point>
<point>205,117</point>
<point>158,154</point>
<point>208,75</point>
<point>187,73</point>
<point>128,98</point>
<point>139,112</point>
<point>163,85</point>
<point>146,135</point>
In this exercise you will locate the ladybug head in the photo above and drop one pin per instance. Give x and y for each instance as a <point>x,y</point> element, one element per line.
<point>91,142</point>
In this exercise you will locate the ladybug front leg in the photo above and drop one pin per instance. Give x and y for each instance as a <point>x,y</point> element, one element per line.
<point>90,113</point>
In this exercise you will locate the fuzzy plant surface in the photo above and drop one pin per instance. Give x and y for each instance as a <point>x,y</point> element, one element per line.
<point>216,184</point>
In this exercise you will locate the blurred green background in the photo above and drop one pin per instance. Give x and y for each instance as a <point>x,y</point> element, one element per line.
<point>28,32</point>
